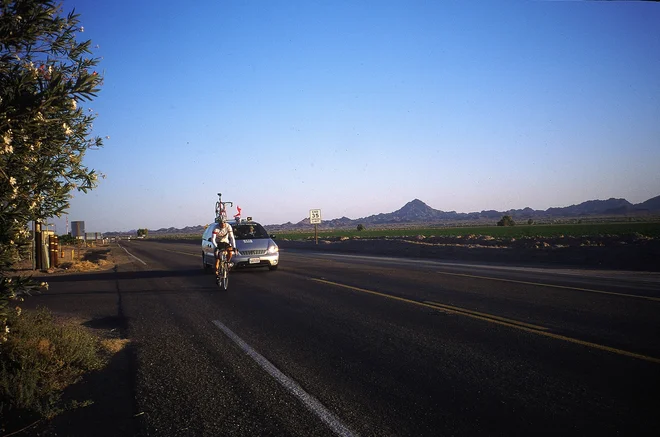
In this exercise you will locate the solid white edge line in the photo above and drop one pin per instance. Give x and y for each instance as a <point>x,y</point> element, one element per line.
<point>130,254</point>
<point>641,276</point>
<point>308,400</point>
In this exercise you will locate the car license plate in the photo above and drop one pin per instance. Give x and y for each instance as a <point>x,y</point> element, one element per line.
<point>255,260</point>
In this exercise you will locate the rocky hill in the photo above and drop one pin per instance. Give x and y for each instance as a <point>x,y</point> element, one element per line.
<point>417,212</point>
<point>651,205</point>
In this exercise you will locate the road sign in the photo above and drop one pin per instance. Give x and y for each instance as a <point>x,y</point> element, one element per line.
<point>315,216</point>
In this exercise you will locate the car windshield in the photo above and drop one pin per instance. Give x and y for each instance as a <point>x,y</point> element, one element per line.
<point>247,231</point>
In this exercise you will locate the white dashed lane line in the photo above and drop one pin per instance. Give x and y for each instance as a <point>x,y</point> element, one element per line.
<point>313,404</point>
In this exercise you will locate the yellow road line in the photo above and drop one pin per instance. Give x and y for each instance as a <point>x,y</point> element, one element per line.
<point>551,285</point>
<point>485,315</point>
<point>432,305</point>
<point>497,320</point>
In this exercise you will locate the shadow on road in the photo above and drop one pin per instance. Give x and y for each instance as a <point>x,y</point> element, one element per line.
<point>110,275</point>
<point>111,392</point>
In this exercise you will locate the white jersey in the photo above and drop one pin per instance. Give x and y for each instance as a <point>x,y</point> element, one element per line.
<point>223,234</point>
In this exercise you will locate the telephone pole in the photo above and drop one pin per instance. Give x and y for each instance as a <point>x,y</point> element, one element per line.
<point>38,246</point>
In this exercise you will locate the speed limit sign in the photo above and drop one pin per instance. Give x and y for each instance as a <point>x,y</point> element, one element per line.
<point>315,216</point>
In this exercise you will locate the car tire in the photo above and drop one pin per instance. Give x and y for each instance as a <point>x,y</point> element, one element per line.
<point>273,268</point>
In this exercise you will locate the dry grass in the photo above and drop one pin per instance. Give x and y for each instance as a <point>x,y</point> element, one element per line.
<point>84,266</point>
<point>72,260</point>
<point>42,357</point>
<point>45,354</point>
<point>114,345</point>
<point>94,258</point>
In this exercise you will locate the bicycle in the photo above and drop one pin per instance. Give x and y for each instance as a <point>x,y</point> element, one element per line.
<point>221,207</point>
<point>222,277</point>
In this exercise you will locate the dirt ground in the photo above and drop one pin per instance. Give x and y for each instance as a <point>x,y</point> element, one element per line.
<point>77,260</point>
<point>73,259</point>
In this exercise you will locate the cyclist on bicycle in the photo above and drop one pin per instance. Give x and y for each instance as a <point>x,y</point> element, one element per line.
<point>223,240</point>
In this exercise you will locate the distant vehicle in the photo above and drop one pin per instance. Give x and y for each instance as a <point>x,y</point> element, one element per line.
<point>255,247</point>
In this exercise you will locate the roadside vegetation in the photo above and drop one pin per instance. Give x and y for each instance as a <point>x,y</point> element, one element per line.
<point>45,354</point>
<point>81,259</point>
<point>646,229</point>
<point>40,359</point>
<point>47,75</point>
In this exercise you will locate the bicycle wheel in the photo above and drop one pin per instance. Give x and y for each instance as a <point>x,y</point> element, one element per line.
<point>224,277</point>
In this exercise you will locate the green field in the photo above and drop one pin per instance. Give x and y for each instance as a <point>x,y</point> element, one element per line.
<point>649,229</point>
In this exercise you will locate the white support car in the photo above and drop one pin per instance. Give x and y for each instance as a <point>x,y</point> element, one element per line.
<point>255,248</point>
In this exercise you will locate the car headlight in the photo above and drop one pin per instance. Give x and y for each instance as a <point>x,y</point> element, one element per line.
<point>273,248</point>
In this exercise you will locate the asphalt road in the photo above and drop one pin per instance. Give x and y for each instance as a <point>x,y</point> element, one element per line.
<point>334,344</point>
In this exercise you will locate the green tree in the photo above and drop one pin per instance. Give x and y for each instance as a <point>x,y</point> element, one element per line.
<point>45,76</point>
<point>530,222</point>
<point>67,239</point>
<point>360,227</point>
<point>142,232</point>
<point>506,221</point>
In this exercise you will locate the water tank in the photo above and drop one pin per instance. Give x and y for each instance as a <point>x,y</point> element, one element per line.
<point>78,229</point>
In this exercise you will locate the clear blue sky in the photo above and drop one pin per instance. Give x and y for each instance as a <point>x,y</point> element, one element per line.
<point>357,107</point>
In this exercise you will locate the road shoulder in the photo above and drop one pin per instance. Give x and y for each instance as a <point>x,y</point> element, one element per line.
<point>75,297</point>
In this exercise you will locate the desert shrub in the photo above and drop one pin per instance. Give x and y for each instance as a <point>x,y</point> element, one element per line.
<point>506,221</point>
<point>38,361</point>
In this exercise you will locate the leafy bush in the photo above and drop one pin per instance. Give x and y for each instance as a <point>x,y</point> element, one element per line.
<point>506,221</point>
<point>47,73</point>
<point>37,362</point>
<point>67,239</point>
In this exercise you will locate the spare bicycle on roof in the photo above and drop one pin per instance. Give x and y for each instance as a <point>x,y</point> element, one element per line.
<point>221,208</point>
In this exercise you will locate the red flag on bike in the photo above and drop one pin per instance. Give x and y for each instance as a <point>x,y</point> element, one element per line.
<point>239,212</point>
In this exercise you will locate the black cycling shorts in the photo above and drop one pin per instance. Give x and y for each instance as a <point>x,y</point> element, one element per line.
<point>221,246</point>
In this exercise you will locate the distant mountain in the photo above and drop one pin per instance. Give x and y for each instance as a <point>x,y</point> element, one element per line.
<point>417,212</point>
<point>592,207</point>
<point>651,205</point>
<point>162,231</point>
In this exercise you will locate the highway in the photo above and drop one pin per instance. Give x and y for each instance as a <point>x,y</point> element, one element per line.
<point>333,344</point>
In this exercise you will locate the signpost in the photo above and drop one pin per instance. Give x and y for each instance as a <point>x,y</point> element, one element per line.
<point>315,219</point>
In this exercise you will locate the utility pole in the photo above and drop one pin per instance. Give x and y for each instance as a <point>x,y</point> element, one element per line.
<point>38,246</point>
<point>34,245</point>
